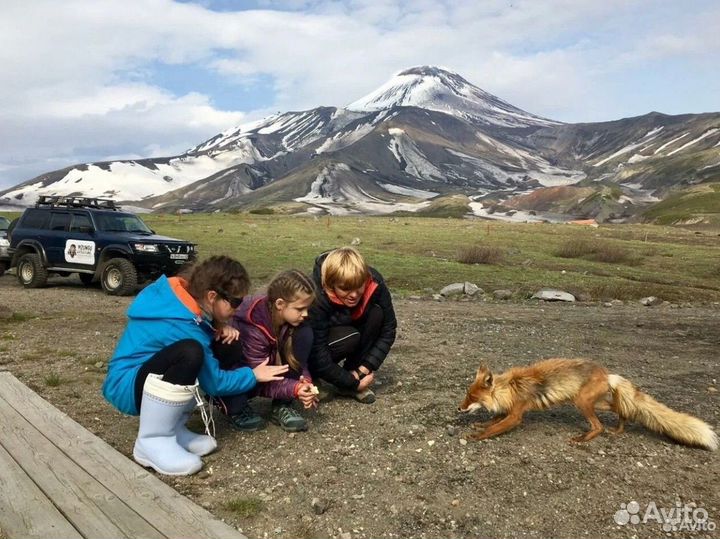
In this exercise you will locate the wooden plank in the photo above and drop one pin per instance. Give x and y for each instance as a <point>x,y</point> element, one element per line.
<point>175,515</point>
<point>86,503</point>
<point>26,511</point>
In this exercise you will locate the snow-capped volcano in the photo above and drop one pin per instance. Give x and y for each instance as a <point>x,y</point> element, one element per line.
<point>433,88</point>
<point>425,135</point>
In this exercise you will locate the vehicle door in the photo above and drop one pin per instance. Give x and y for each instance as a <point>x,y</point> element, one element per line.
<point>53,238</point>
<point>79,251</point>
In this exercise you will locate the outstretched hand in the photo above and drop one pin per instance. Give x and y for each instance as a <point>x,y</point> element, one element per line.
<point>269,373</point>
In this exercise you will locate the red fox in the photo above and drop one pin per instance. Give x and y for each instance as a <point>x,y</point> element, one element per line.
<point>583,383</point>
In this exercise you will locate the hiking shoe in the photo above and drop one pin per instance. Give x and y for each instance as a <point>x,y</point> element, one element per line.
<point>366,396</point>
<point>246,420</point>
<point>288,418</point>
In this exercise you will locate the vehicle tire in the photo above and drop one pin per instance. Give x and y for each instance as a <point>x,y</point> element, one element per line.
<point>119,277</point>
<point>86,278</point>
<point>30,271</point>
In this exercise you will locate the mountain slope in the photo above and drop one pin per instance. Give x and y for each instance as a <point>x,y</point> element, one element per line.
<point>427,133</point>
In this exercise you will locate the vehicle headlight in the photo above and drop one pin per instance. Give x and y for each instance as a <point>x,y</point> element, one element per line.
<point>146,247</point>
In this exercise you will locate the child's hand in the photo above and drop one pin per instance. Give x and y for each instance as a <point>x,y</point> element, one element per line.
<point>366,377</point>
<point>308,394</point>
<point>366,381</point>
<point>269,373</point>
<point>227,334</point>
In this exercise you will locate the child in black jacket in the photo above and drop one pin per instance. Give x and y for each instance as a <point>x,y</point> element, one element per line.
<point>353,320</point>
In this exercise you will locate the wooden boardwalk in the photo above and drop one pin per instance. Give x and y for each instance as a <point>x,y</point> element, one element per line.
<point>58,480</point>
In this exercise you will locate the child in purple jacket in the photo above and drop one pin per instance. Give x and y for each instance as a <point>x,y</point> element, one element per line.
<point>273,326</point>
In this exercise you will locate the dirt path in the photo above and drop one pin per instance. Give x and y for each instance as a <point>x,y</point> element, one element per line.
<point>400,467</point>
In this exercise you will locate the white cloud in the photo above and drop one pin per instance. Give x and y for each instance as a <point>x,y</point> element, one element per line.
<point>74,84</point>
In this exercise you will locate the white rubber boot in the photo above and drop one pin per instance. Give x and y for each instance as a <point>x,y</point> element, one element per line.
<point>199,444</point>
<point>156,445</point>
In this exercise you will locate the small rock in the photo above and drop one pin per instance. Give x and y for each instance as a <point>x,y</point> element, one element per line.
<point>454,289</point>
<point>451,430</point>
<point>712,389</point>
<point>414,298</point>
<point>345,535</point>
<point>356,241</point>
<point>502,294</point>
<point>99,365</point>
<point>463,441</point>
<point>650,301</point>
<point>472,289</point>
<point>549,294</point>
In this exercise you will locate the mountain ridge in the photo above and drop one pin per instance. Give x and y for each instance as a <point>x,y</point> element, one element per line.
<point>425,133</point>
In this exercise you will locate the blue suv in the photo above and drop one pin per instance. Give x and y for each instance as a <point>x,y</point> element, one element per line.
<point>93,238</point>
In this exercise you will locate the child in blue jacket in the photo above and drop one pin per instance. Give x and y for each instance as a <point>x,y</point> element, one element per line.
<point>165,351</point>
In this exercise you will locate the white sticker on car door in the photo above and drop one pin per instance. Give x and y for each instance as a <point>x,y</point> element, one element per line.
<point>80,252</point>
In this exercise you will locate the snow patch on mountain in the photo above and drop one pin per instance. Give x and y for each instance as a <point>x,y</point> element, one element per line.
<point>433,88</point>
<point>407,191</point>
<point>707,133</point>
<point>411,159</point>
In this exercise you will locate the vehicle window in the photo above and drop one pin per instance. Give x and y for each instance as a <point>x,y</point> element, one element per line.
<point>59,221</point>
<point>35,219</point>
<point>4,223</point>
<point>121,222</point>
<point>80,220</point>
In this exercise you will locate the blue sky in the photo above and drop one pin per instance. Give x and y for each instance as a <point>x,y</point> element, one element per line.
<point>82,80</point>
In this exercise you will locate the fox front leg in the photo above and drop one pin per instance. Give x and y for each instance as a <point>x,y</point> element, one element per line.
<point>485,424</point>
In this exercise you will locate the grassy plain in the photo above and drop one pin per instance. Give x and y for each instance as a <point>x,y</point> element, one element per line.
<point>418,254</point>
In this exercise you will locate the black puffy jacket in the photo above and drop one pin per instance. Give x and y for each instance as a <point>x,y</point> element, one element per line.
<point>325,314</point>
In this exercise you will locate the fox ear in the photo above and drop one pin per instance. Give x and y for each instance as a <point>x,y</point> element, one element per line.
<point>488,379</point>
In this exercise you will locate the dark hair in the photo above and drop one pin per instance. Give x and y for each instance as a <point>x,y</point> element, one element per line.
<point>289,285</point>
<point>217,272</point>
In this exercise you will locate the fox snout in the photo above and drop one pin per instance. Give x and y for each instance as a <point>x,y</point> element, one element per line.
<point>468,405</point>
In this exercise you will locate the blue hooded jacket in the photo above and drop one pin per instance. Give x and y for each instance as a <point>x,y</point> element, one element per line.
<point>159,318</point>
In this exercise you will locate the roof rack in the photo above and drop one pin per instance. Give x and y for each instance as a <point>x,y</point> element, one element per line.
<point>76,202</point>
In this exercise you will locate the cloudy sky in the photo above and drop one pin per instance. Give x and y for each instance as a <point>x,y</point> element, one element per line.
<point>90,80</point>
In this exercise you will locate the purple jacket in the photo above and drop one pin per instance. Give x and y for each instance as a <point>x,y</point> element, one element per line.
<point>254,321</point>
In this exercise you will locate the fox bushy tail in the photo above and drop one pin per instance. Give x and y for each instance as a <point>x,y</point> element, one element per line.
<point>634,405</point>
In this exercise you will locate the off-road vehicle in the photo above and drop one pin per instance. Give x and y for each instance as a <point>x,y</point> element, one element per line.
<point>95,239</point>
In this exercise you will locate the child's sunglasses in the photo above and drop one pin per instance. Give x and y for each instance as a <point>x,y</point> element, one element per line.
<point>232,300</point>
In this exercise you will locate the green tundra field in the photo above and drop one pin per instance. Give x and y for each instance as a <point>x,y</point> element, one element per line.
<point>419,254</point>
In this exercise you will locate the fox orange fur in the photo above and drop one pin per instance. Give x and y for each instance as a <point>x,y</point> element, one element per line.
<point>585,384</point>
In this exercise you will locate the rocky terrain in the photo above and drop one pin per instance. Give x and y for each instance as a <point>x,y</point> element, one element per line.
<point>401,467</point>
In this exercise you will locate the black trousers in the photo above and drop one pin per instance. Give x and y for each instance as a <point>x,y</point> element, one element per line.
<point>352,343</point>
<point>179,363</point>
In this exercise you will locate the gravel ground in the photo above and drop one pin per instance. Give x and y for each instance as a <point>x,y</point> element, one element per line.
<point>401,467</point>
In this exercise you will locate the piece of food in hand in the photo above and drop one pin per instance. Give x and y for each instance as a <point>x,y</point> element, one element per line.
<point>314,390</point>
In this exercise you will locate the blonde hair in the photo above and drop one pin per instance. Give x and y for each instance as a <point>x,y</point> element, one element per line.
<point>344,268</point>
<point>289,286</point>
